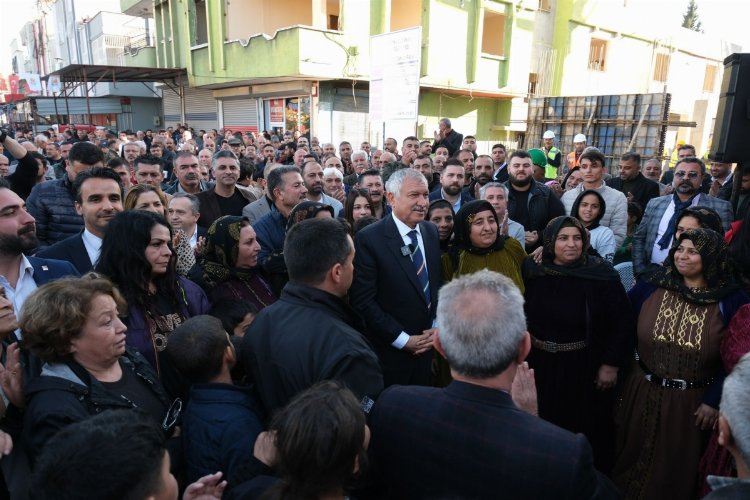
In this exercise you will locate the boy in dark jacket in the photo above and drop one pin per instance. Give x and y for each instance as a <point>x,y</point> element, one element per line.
<point>221,422</point>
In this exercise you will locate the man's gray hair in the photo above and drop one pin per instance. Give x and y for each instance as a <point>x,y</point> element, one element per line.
<point>446,121</point>
<point>398,177</point>
<point>735,405</point>
<point>480,323</point>
<point>388,155</point>
<point>333,170</point>
<point>483,189</point>
<point>195,203</point>
<point>361,153</point>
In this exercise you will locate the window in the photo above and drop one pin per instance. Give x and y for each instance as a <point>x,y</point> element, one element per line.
<point>201,23</point>
<point>332,14</point>
<point>493,33</point>
<point>709,78</point>
<point>598,54</point>
<point>661,67</point>
<point>533,79</point>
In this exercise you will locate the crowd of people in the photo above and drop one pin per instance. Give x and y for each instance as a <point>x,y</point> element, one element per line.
<point>218,314</point>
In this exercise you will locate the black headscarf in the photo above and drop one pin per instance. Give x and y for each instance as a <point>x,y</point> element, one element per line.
<point>708,218</point>
<point>587,266</point>
<point>602,207</point>
<point>462,228</point>
<point>221,250</point>
<point>307,210</point>
<point>717,269</point>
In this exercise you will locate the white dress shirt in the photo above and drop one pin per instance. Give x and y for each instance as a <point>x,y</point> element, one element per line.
<point>93,245</point>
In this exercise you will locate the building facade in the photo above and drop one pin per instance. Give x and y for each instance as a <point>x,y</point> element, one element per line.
<point>306,64</point>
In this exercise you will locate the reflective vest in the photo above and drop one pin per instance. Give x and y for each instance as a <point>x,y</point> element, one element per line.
<point>550,171</point>
<point>573,161</point>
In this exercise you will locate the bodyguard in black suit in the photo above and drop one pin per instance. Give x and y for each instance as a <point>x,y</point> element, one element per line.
<point>471,440</point>
<point>397,301</point>
<point>98,198</point>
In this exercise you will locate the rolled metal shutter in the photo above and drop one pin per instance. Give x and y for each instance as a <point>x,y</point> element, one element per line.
<point>241,114</point>
<point>201,109</point>
<point>349,118</point>
<point>170,103</point>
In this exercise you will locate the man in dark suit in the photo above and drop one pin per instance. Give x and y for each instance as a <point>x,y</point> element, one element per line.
<point>396,280</point>
<point>98,198</point>
<point>21,275</point>
<point>473,439</point>
<point>447,137</point>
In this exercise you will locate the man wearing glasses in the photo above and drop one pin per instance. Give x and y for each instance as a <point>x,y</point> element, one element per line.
<point>653,239</point>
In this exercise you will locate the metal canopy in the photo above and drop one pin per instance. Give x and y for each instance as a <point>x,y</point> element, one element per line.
<point>78,73</point>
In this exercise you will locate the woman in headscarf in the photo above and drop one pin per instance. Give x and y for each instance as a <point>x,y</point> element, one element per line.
<point>589,208</point>
<point>697,218</point>
<point>669,401</point>
<point>478,244</point>
<point>308,210</point>
<point>581,328</point>
<point>230,264</point>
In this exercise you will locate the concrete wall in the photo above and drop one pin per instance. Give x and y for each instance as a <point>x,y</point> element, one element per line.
<point>245,19</point>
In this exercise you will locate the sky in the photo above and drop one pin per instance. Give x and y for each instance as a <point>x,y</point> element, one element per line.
<point>725,18</point>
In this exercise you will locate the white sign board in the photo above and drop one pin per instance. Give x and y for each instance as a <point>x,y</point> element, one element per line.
<point>395,64</point>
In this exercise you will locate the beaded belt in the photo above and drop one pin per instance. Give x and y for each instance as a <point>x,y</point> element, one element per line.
<point>672,383</point>
<point>553,347</point>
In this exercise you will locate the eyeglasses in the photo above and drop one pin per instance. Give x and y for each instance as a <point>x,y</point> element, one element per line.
<point>689,175</point>
<point>170,419</point>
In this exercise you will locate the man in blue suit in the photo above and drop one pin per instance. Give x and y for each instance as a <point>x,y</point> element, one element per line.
<point>98,195</point>
<point>396,280</point>
<point>21,275</point>
<point>470,439</point>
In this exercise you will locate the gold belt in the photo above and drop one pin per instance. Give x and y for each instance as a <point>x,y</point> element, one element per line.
<point>553,347</point>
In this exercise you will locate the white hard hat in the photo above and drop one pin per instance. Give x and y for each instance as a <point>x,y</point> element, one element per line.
<point>579,138</point>
<point>548,135</point>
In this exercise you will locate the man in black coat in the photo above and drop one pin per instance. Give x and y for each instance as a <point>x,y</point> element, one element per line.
<point>310,334</point>
<point>472,439</point>
<point>396,279</point>
<point>447,137</point>
<point>632,182</point>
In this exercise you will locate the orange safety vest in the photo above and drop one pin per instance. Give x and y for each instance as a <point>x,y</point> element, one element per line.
<point>573,161</point>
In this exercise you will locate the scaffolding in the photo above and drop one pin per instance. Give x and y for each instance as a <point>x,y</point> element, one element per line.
<point>615,124</point>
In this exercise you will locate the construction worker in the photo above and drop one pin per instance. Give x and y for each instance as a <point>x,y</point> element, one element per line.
<point>574,157</point>
<point>541,167</point>
<point>554,156</point>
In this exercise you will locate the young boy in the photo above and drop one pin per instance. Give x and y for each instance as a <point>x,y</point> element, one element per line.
<point>221,422</point>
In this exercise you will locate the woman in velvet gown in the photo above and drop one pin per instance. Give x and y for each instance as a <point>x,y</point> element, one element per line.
<point>670,398</point>
<point>581,326</point>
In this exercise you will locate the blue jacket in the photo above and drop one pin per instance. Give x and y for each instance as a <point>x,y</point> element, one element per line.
<point>220,426</point>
